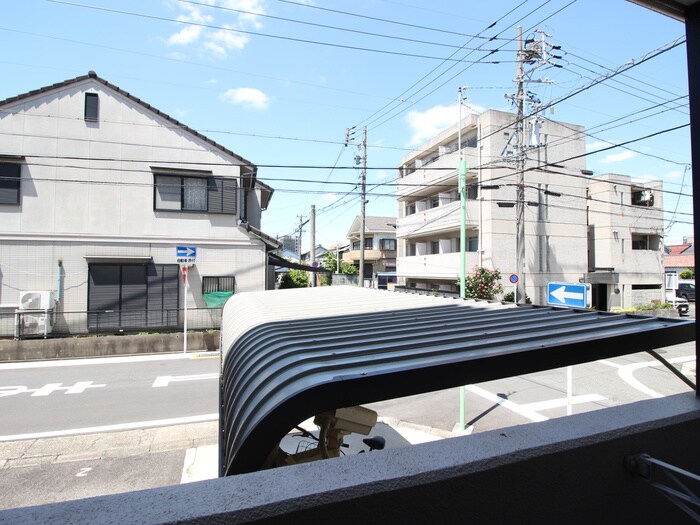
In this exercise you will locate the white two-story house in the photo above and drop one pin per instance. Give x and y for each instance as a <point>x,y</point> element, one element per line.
<point>97,191</point>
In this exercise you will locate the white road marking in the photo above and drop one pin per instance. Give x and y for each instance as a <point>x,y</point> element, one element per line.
<point>609,363</point>
<point>505,403</point>
<point>113,428</point>
<point>558,403</point>
<point>48,389</point>
<point>94,361</point>
<point>200,463</point>
<point>83,472</point>
<point>627,373</point>
<point>162,381</point>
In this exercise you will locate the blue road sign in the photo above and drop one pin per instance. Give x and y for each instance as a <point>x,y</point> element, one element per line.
<point>567,294</point>
<point>185,254</point>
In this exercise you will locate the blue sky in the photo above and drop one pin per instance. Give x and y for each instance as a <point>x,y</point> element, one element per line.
<point>278,82</point>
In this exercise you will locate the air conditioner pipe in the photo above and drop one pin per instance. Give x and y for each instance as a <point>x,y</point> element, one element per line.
<point>59,282</point>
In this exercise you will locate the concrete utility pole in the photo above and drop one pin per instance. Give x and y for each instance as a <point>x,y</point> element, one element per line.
<point>520,166</point>
<point>535,53</point>
<point>362,161</point>
<point>301,229</point>
<point>312,234</point>
<point>462,186</point>
<point>363,203</point>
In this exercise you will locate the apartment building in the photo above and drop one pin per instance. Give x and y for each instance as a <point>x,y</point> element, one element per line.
<point>625,239</point>
<point>379,250</point>
<point>98,190</point>
<point>556,216</point>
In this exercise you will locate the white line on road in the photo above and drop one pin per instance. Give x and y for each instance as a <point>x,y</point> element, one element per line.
<point>103,360</point>
<point>627,373</point>
<point>113,428</point>
<point>505,403</point>
<point>162,381</point>
<point>562,401</point>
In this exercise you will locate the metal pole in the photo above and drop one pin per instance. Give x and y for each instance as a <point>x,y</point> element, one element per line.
<point>520,166</point>
<point>363,202</point>
<point>184,279</point>
<point>312,227</point>
<point>462,186</point>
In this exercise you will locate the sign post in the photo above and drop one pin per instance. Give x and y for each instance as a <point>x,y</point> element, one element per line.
<point>184,281</point>
<point>513,279</point>
<point>185,256</point>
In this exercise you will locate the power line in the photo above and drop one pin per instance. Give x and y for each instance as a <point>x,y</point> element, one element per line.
<point>254,33</point>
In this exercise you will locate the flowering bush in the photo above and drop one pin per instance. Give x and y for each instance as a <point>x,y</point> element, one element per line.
<point>483,283</point>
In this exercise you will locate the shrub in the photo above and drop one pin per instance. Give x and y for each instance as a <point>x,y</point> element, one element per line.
<point>483,283</point>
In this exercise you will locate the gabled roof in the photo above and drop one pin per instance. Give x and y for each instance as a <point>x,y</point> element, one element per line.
<point>93,76</point>
<point>374,224</point>
<point>676,249</point>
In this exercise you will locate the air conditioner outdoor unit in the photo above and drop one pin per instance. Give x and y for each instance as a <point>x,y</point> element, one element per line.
<point>36,324</point>
<point>36,300</point>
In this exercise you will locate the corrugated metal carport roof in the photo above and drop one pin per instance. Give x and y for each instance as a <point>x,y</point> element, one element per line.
<point>291,354</point>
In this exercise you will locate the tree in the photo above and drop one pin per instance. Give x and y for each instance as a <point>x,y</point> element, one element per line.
<point>483,283</point>
<point>295,279</point>
<point>687,274</point>
<point>329,262</point>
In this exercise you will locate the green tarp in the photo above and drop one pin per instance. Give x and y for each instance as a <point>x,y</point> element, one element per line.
<point>216,299</point>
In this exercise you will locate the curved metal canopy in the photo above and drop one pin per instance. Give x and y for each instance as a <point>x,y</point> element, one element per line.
<point>291,354</point>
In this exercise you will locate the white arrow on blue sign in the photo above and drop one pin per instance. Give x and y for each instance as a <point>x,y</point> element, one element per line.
<point>567,294</point>
<point>186,251</point>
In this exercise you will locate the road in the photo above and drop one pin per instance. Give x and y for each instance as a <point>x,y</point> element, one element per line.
<point>52,412</point>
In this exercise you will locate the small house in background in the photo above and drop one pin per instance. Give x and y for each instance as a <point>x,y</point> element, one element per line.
<point>379,251</point>
<point>104,199</point>
<point>680,257</point>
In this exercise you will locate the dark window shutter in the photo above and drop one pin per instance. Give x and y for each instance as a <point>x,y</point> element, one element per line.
<point>134,298</point>
<point>9,182</point>
<point>103,296</point>
<point>230,197</point>
<point>162,295</point>
<point>215,190</point>
<point>91,106</point>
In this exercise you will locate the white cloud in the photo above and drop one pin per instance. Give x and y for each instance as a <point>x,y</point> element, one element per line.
<point>618,157</point>
<point>329,197</point>
<point>426,124</point>
<point>673,175</point>
<point>248,97</point>
<point>594,146</point>
<point>225,34</point>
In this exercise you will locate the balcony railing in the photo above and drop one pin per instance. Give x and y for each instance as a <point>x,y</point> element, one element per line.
<point>437,266</point>
<point>435,220</point>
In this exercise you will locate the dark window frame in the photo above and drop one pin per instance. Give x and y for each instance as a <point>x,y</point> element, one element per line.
<point>218,283</point>
<point>221,192</point>
<point>387,244</point>
<point>9,171</point>
<point>92,107</point>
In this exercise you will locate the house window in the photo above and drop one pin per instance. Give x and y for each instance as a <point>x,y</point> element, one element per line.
<point>10,176</point>
<point>92,107</point>
<point>387,244</point>
<point>217,290</point>
<point>642,197</point>
<point>190,193</point>
<point>368,243</point>
<point>355,245</point>
<point>646,242</point>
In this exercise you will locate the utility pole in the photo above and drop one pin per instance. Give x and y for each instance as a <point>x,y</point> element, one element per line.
<point>301,230</point>
<point>362,161</point>
<point>534,53</point>
<point>363,203</point>
<point>520,167</point>
<point>312,234</point>
<point>462,187</point>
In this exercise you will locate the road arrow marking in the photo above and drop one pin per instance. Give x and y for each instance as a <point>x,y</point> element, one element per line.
<point>162,381</point>
<point>561,295</point>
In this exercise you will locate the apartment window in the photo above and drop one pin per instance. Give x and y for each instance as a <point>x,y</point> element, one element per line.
<point>387,244</point>
<point>217,290</point>
<point>435,247</point>
<point>642,197</point>
<point>435,201</point>
<point>92,107</point>
<point>10,176</point>
<point>368,243</point>
<point>472,244</point>
<point>192,193</point>
<point>410,209</point>
<point>645,242</point>
<point>412,249</point>
<point>472,192</point>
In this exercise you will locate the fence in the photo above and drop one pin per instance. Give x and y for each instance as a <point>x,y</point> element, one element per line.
<point>25,324</point>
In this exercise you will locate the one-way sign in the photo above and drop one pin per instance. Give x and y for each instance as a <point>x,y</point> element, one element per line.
<point>568,294</point>
<point>185,254</point>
